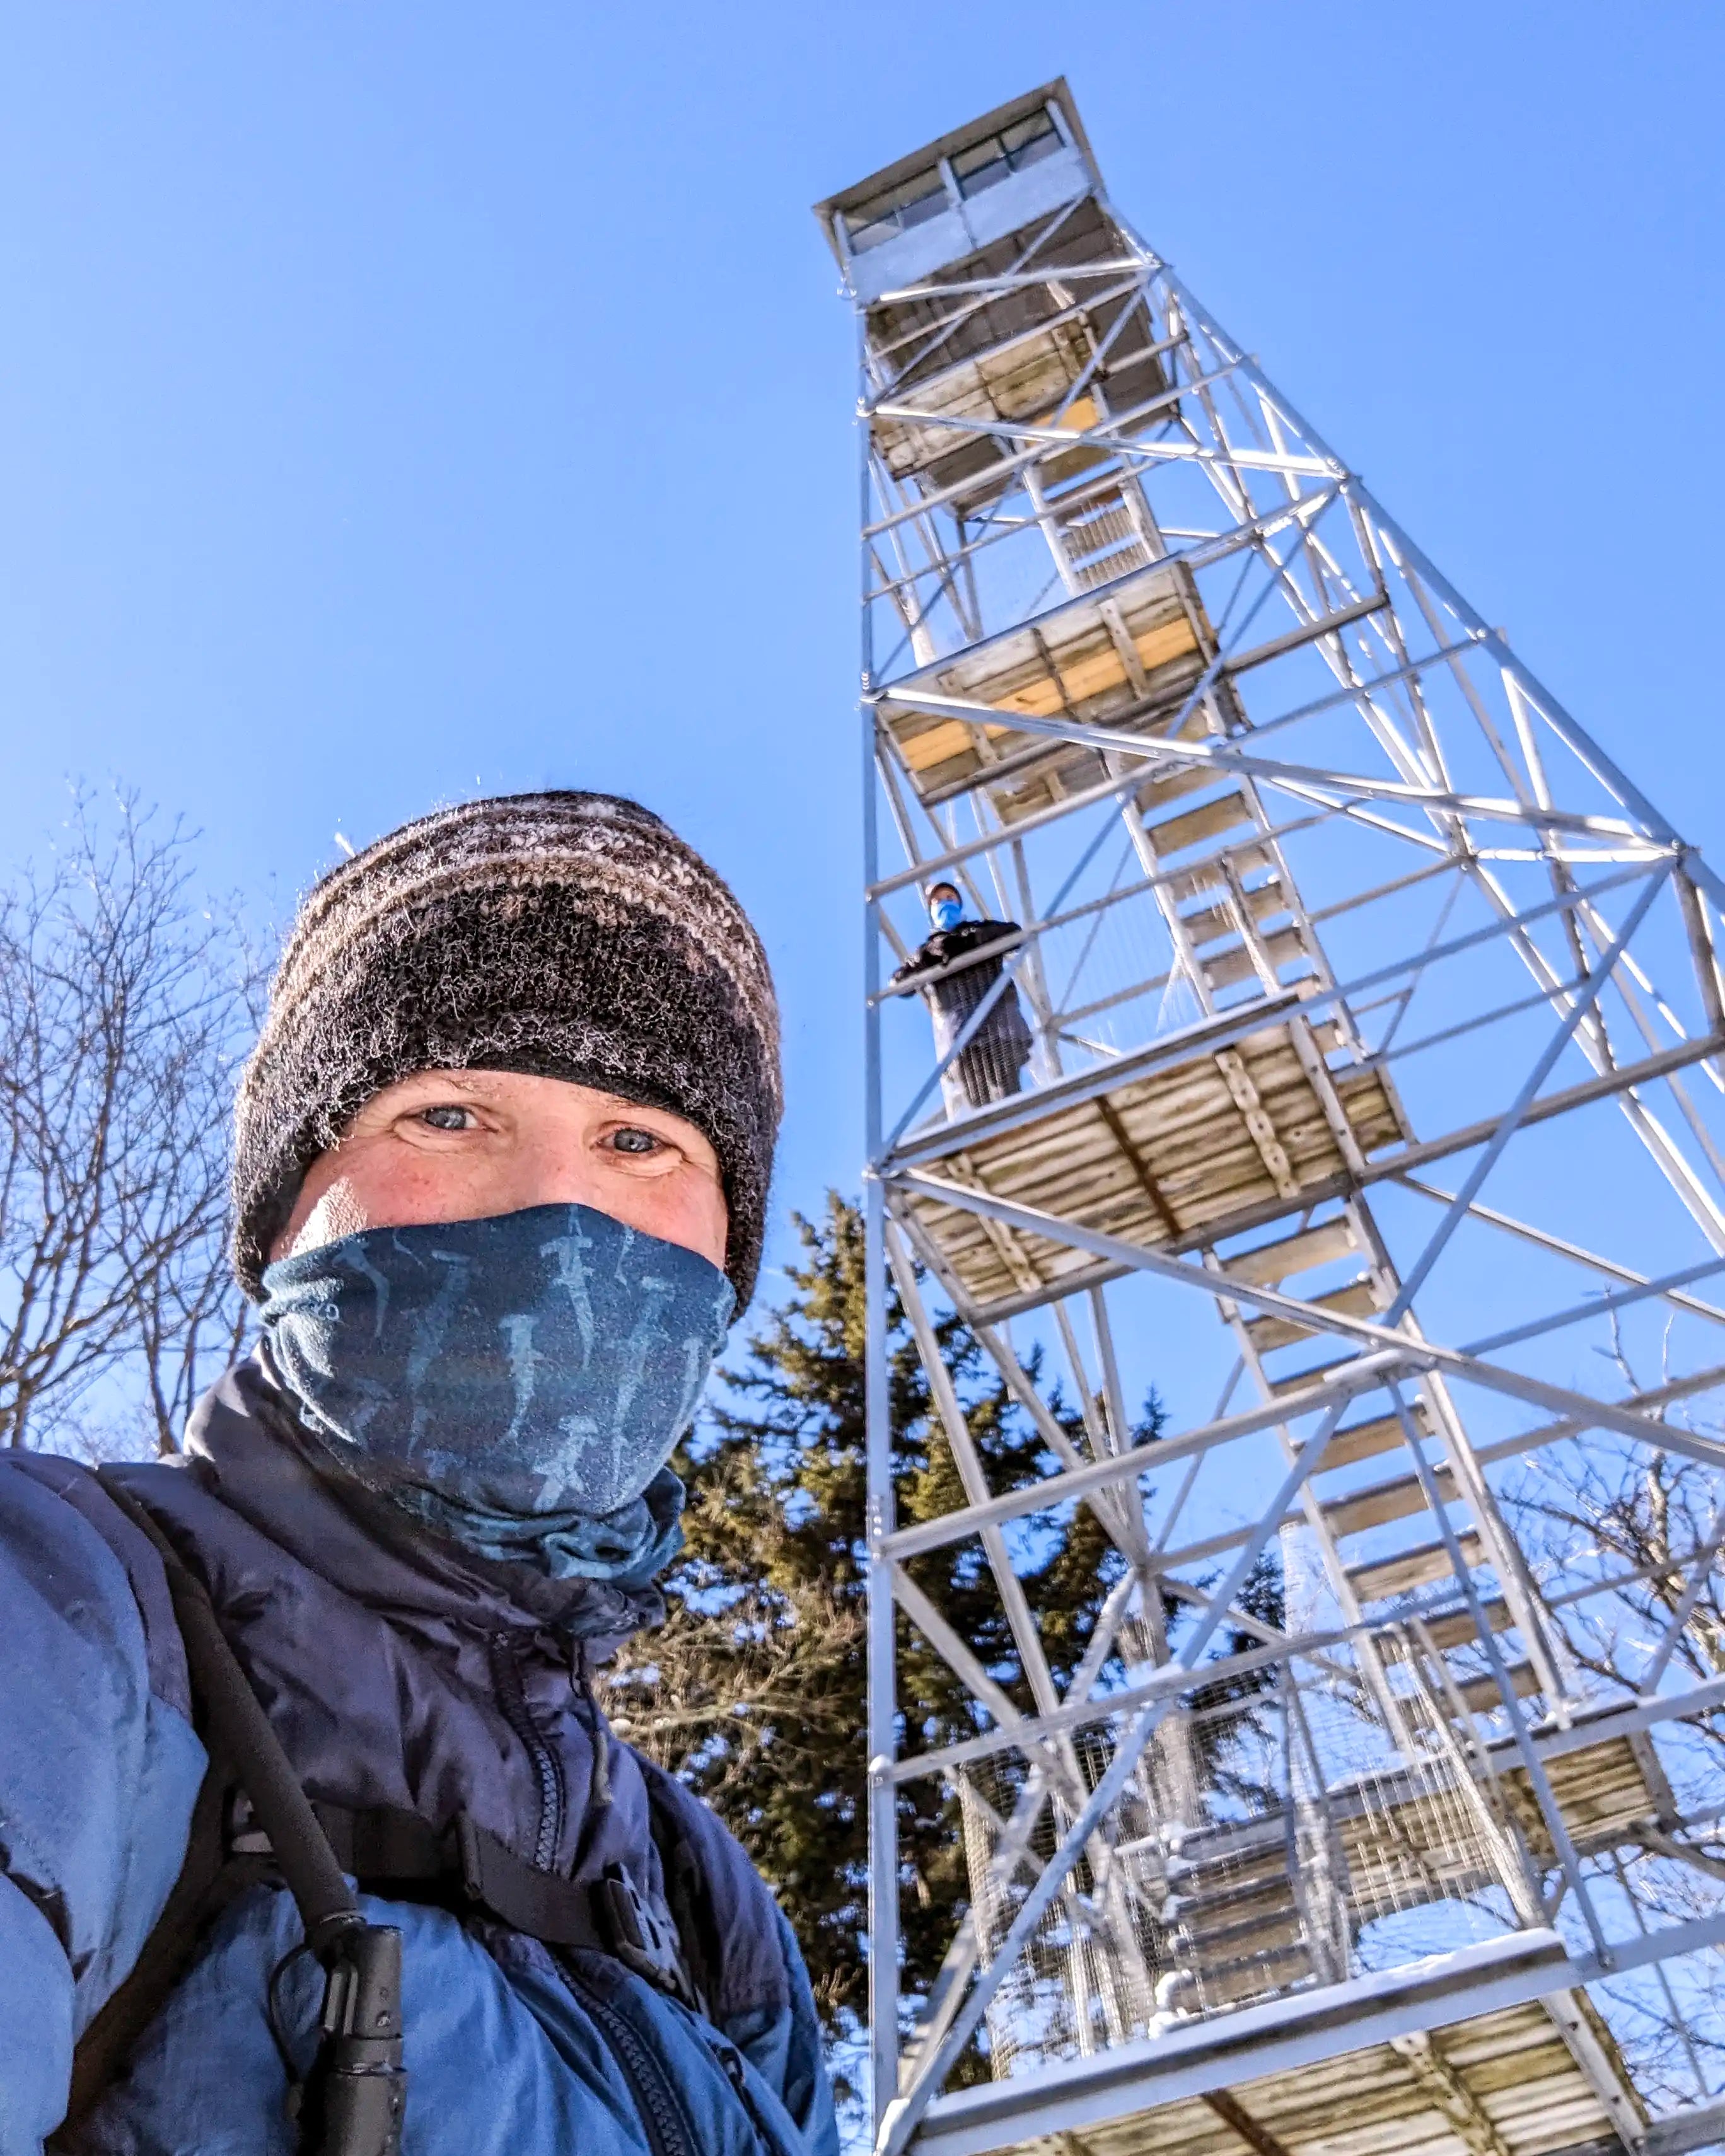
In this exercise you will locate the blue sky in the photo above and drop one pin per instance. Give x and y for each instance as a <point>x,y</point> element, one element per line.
<point>398,400</point>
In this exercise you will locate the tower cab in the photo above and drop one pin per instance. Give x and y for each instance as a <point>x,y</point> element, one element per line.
<point>1014,197</point>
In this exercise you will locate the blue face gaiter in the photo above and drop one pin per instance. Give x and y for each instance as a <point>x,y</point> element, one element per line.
<point>517,1383</point>
<point>946,913</point>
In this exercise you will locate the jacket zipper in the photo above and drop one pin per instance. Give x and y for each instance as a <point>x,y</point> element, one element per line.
<point>655,2101</point>
<point>581,1678</point>
<point>732,2060</point>
<point>512,1698</point>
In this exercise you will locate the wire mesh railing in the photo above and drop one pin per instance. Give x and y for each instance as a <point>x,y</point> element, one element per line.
<point>1266,1844</point>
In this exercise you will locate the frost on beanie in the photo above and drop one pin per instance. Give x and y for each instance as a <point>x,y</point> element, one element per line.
<point>562,934</point>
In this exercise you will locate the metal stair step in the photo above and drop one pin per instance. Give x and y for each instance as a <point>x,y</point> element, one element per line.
<point>1102,569</point>
<point>1098,525</point>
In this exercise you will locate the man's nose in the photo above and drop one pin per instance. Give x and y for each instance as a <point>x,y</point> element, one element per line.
<point>558,1176</point>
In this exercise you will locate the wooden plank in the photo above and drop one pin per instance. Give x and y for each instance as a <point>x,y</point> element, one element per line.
<point>1257,1978</point>
<point>1157,793</point>
<point>1282,949</point>
<point>1359,1298</point>
<point>1601,1790</point>
<point>1248,1098</point>
<point>924,748</point>
<point>1267,1264</point>
<point>1458,1629</point>
<point>1482,1694</point>
<point>1234,2115</point>
<point>1411,1568</point>
<point>1384,1501</point>
<point>1176,1153</point>
<point>1211,922</point>
<point>1209,875</point>
<point>1513,2064</point>
<point>1152,1189</point>
<point>1038,781</point>
<point>1177,835</point>
<point>1360,1440</point>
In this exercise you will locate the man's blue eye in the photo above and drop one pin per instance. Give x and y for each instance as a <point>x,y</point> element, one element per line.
<point>636,1141</point>
<point>444,1118</point>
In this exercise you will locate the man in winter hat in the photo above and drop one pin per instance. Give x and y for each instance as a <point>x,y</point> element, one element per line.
<point>502,1163</point>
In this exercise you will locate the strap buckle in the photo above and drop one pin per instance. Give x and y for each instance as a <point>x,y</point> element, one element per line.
<point>639,1938</point>
<point>611,1916</point>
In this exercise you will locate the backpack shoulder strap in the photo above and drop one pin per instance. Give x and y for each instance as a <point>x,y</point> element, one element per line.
<point>240,1731</point>
<point>358,2087</point>
<point>402,1856</point>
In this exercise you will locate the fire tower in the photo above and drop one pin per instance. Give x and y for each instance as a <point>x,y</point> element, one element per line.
<point>1370,1022</point>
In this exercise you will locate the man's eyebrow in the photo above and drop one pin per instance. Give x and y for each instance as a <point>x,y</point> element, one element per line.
<point>456,1081</point>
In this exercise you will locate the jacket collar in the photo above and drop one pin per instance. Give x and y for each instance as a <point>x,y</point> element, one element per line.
<point>245,1443</point>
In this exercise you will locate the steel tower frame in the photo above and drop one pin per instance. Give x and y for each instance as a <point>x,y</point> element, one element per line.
<point>1318,888</point>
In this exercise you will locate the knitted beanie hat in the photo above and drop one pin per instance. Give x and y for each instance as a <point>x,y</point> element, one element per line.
<point>563,935</point>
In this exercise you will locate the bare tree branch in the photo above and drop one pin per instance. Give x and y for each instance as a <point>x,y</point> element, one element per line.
<point>125,1003</point>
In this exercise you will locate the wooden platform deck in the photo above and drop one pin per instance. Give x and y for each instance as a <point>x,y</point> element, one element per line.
<point>1603,1791</point>
<point>1129,658</point>
<point>1499,2084</point>
<point>1187,1148</point>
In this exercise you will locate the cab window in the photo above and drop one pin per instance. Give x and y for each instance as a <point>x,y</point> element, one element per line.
<point>986,163</point>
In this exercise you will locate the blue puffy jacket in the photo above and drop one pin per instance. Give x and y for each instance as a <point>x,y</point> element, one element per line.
<point>398,1674</point>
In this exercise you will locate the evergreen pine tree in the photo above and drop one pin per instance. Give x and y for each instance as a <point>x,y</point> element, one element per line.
<point>754,1690</point>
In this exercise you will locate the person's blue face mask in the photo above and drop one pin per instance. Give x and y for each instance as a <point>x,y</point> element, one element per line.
<point>517,1382</point>
<point>946,913</point>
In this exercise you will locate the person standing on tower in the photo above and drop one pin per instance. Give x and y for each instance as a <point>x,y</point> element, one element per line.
<point>953,971</point>
<point>313,1834</point>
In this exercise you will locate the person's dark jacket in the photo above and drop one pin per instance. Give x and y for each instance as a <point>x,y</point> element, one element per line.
<point>399,1672</point>
<point>991,1063</point>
